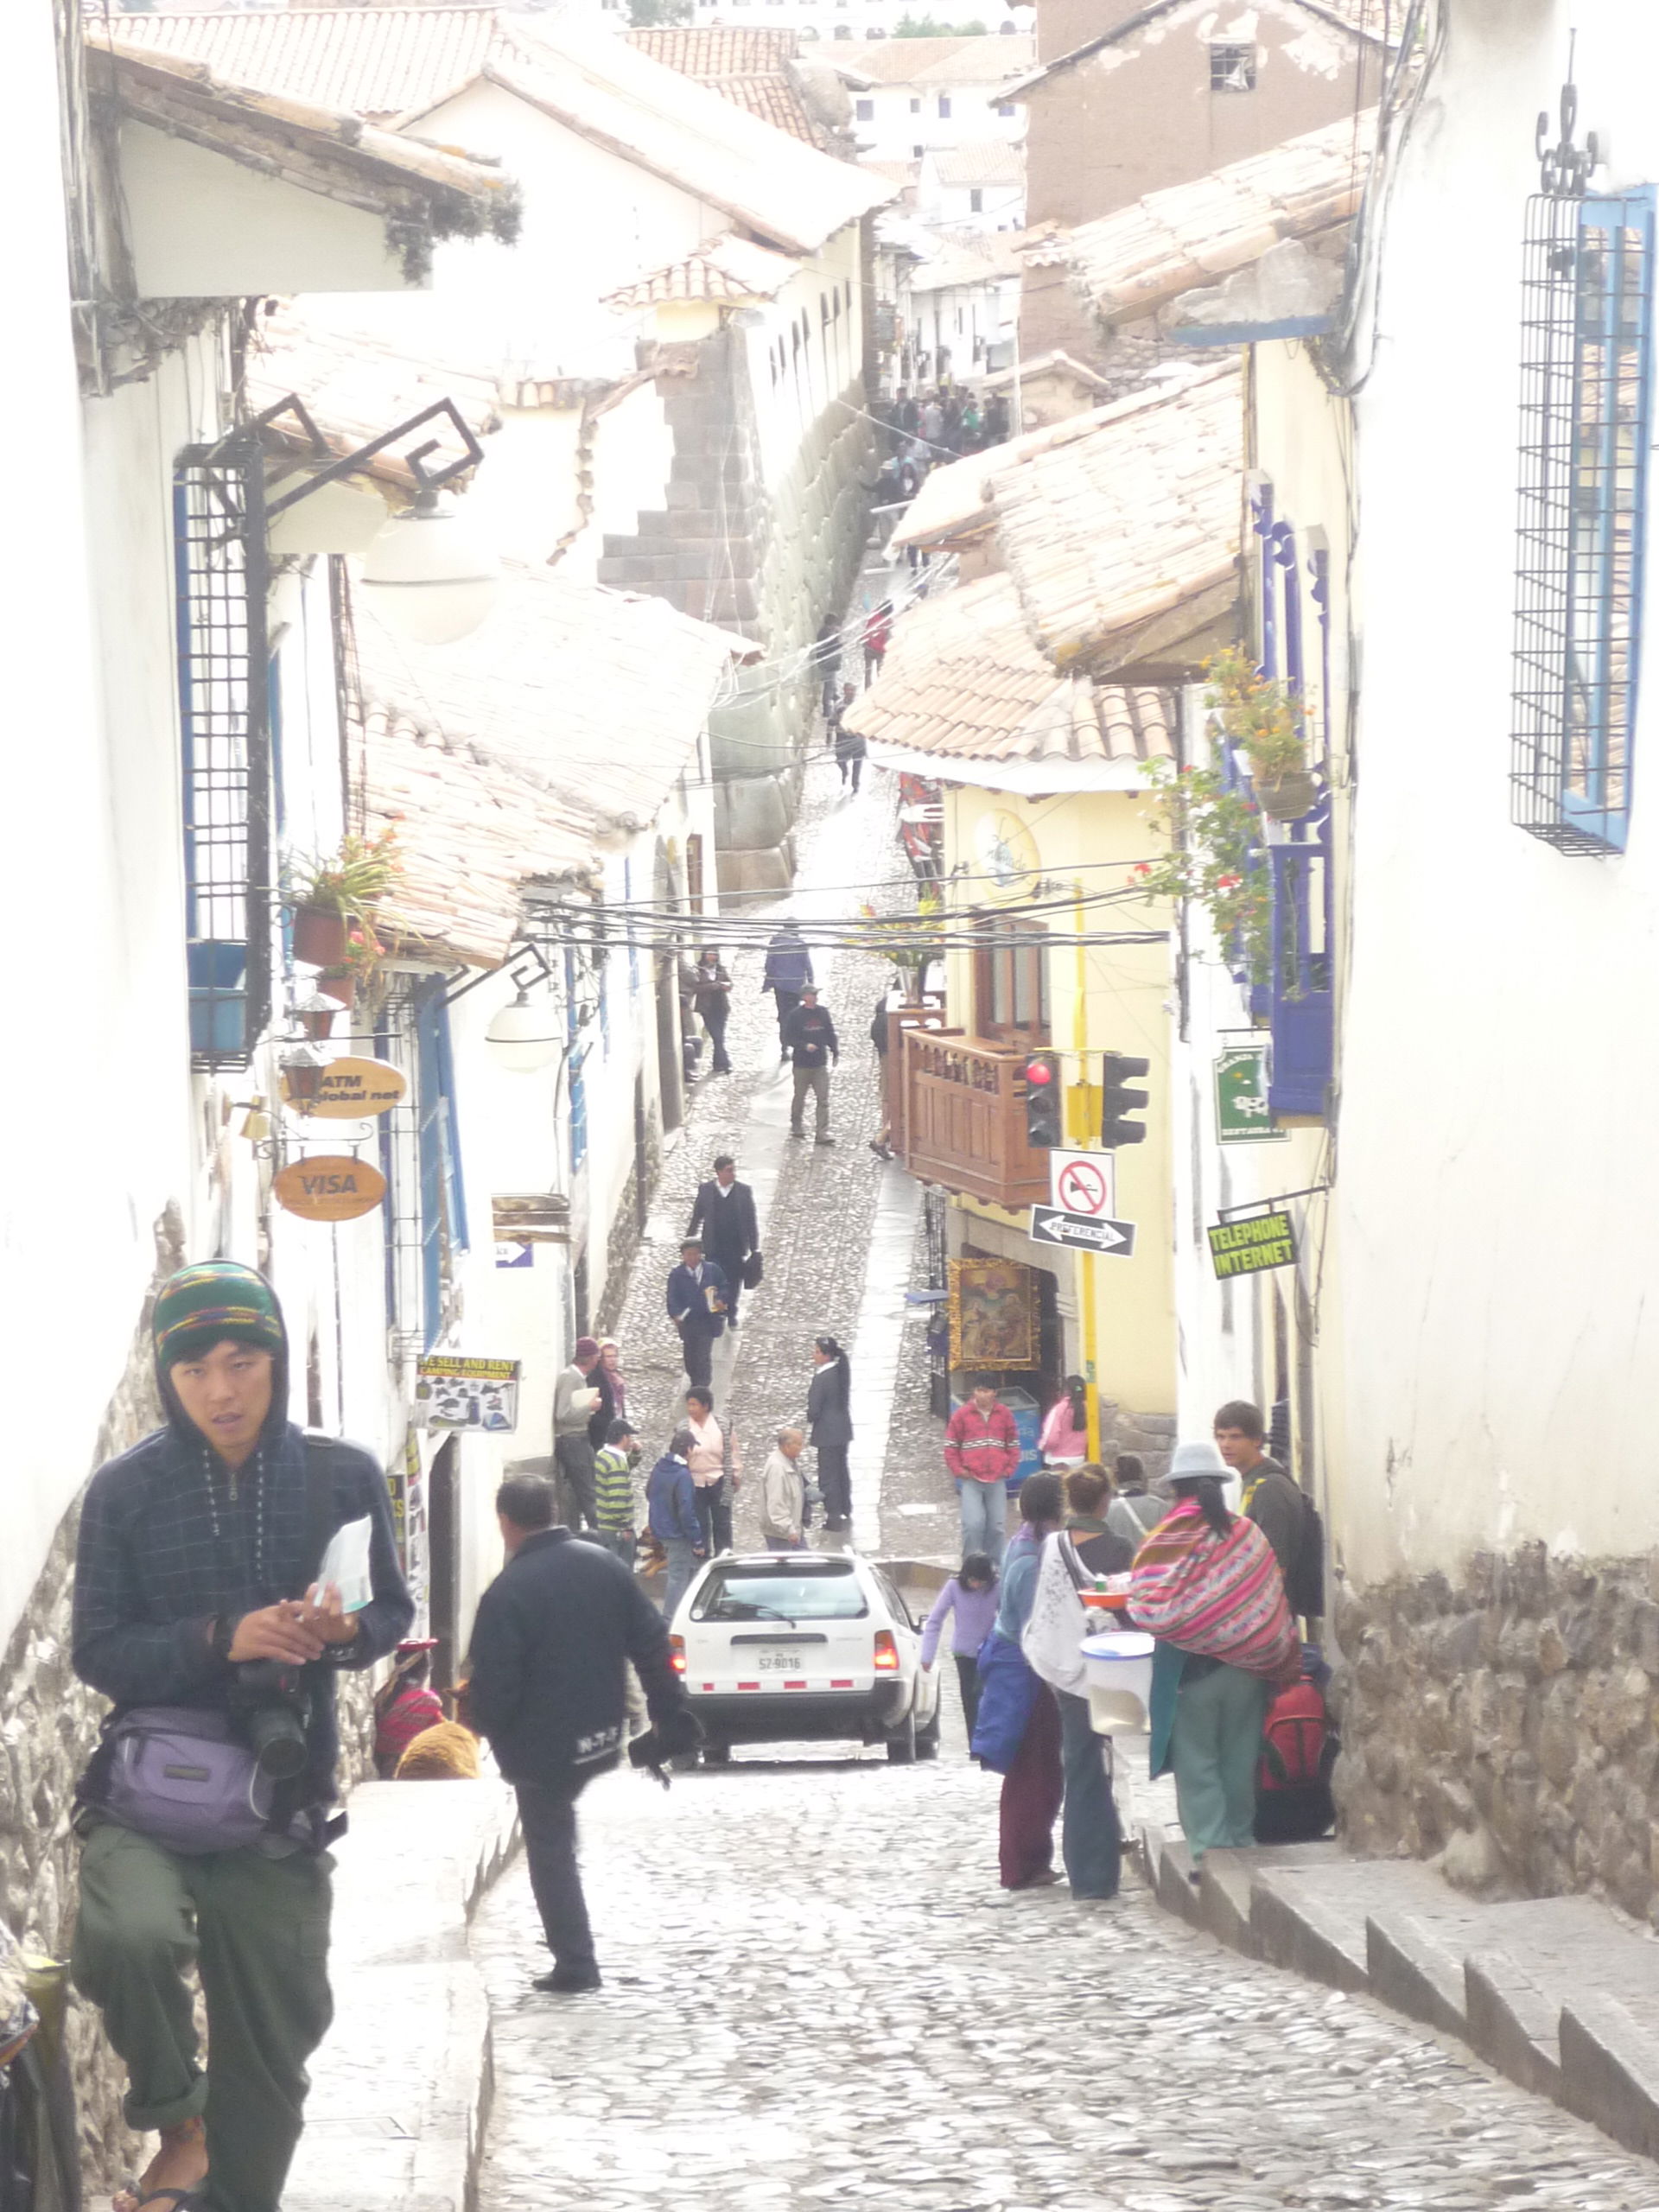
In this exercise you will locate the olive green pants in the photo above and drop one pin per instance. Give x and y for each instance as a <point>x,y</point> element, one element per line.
<point>257,1929</point>
<point>1214,1747</point>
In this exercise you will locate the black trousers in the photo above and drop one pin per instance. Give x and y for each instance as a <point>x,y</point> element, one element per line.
<point>836,1481</point>
<point>572,1457</point>
<point>968,1683</point>
<point>547,1813</point>
<point>714,1020</point>
<point>715,1515</point>
<point>699,1348</point>
<point>787,1002</point>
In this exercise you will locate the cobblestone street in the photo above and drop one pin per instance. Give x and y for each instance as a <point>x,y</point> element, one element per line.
<point>815,1995</point>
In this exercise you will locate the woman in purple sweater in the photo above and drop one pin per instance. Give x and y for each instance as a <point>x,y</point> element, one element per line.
<point>970,1598</point>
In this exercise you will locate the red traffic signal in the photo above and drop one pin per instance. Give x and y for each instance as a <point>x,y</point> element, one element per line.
<point>1042,1073</point>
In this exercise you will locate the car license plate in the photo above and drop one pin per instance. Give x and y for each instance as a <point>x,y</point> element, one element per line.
<point>780,1659</point>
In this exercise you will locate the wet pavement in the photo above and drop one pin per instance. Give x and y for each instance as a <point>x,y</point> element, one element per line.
<point>815,1996</point>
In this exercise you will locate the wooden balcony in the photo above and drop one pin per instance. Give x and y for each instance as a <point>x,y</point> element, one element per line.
<point>962,1118</point>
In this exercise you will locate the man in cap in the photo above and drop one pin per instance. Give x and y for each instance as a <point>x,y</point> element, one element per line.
<point>576,1396</point>
<point>698,1294</point>
<point>197,1560</point>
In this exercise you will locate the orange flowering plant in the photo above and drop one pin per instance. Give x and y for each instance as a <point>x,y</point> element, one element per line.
<point>1214,842</point>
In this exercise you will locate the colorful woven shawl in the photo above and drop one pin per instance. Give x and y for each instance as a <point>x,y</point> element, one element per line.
<point>1219,1596</point>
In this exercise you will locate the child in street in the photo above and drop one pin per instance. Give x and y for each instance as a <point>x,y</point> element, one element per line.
<point>969,1600</point>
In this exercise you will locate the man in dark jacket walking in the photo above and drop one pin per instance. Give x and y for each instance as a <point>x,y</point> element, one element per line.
<point>698,1297</point>
<point>547,1687</point>
<point>197,1559</point>
<point>810,1038</point>
<point>788,971</point>
<point>1269,1496</point>
<point>722,1214</point>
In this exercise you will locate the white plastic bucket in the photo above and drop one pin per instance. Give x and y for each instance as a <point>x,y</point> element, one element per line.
<point>1119,1683</point>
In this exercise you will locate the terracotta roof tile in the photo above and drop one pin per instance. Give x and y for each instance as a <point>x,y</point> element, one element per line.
<point>405,61</point>
<point>725,268</point>
<point>954,504</point>
<point>1125,542</point>
<point>1137,260</point>
<point>981,161</point>
<point>963,682</point>
<point>987,59</point>
<point>748,67</point>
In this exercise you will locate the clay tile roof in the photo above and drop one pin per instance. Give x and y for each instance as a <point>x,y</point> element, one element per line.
<point>723,268</point>
<point>963,683</point>
<point>327,147</point>
<point>405,62</point>
<point>751,68</point>
<point>1138,260</point>
<point>1124,544</point>
<point>966,257</point>
<point>954,503</point>
<point>375,61</point>
<point>941,62</point>
<point>356,384</point>
<point>981,161</point>
<point>556,677</point>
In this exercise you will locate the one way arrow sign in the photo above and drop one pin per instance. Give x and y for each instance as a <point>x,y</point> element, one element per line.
<point>1050,1226</point>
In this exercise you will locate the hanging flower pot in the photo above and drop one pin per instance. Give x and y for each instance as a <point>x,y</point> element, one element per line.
<point>319,935</point>
<point>1288,796</point>
<point>339,983</point>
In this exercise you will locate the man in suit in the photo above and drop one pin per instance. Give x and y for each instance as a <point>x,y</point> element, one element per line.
<point>698,1296</point>
<point>723,1215</point>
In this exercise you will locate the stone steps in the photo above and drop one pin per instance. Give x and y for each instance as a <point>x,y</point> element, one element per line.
<point>1556,1994</point>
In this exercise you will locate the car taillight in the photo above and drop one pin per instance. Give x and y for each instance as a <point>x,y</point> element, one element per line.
<point>887,1652</point>
<point>676,1654</point>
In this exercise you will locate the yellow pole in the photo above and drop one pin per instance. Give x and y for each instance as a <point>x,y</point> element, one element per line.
<point>1085,1260</point>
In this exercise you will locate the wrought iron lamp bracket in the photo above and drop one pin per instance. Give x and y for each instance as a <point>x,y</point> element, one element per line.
<point>1564,169</point>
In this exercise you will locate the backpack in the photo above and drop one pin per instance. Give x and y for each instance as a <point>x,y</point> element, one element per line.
<point>1293,1802</point>
<point>1304,1584</point>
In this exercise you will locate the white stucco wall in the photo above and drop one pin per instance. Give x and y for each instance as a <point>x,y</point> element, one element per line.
<point>1498,1168</point>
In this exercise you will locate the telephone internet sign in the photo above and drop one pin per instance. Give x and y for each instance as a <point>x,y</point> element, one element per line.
<point>1250,1248</point>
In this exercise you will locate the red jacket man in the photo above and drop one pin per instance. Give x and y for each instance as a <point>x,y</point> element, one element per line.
<point>981,1442</point>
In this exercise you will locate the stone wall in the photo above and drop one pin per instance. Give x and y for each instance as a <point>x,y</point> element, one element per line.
<point>1507,1722</point>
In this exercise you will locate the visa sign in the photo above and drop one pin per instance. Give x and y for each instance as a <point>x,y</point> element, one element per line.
<point>329,1187</point>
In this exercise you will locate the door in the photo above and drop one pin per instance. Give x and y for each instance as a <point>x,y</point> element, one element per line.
<point>443,1523</point>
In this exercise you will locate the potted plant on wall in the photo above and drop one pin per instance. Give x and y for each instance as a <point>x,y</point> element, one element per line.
<point>353,976</point>
<point>327,896</point>
<point>1214,857</point>
<point>1263,719</point>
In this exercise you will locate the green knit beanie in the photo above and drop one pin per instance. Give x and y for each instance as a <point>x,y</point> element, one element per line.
<point>200,1306</point>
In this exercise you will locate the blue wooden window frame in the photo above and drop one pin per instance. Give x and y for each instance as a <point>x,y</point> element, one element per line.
<point>1587,410</point>
<point>444,1207</point>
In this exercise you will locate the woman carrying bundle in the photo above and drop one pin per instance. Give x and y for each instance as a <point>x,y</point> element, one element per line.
<point>1206,1583</point>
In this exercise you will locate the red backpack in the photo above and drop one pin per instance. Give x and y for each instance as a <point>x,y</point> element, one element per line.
<point>1299,1745</point>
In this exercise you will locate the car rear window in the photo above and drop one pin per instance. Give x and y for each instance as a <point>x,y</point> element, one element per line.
<point>788,1592</point>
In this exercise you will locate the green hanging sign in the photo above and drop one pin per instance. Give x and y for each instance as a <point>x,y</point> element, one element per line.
<point>1251,1247</point>
<point>1243,1114</point>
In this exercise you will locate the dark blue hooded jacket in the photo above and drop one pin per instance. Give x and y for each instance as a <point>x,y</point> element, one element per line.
<point>151,1575</point>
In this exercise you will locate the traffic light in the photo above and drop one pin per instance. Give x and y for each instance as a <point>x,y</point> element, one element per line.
<point>1116,1100</point>
<point>1043,1100</point>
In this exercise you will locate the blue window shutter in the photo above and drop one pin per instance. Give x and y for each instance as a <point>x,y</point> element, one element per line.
<point>454,1182</point>
<point>430,1094</point>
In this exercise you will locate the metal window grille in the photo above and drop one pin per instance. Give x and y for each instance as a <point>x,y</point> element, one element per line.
<point>1232,67</point>
<point>224,729</point>
<point>1587,373</point>
<point>419,1157</point>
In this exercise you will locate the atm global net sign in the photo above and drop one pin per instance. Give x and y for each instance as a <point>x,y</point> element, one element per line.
<point>1250,1248</point>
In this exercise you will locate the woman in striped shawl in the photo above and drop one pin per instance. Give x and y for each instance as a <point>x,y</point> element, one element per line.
<point>1207,1585</point>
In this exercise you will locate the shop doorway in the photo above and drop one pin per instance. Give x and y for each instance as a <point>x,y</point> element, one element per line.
<point>443,1524</point>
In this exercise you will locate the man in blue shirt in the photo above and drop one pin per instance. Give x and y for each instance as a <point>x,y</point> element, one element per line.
<point>698,1294</point>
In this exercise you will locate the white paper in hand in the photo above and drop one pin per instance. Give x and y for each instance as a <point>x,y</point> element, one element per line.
<point>346,1563</point>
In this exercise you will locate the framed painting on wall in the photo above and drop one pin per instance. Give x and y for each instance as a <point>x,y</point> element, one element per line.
<point>993,1314</point>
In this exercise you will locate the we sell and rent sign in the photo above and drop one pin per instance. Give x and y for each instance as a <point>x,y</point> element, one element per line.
<point>1251,1247</point>
<point>453,1392</point>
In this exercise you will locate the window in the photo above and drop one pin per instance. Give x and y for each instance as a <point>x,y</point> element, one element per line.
<point>224,703</point>
<point>1011,979</point>
<point>864,110</point>
<point>915,107</point>
<point>792,1591</point>
<point>1007,107</point>
<point>976,200</point>
<point>1232,68</point>
<point>916,153</point>
<point>1587,375</point>
<point>944,107</point>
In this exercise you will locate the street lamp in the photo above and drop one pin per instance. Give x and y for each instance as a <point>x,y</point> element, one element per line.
<point>518,1036</point>
<point>426,577</point>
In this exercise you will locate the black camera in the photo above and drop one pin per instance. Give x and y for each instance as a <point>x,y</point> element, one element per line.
<point>270,1706</point>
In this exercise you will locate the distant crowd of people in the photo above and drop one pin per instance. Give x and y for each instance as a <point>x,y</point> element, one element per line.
<point>944,420</point>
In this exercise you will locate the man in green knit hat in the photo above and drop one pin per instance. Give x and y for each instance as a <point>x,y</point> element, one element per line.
<point>197,1562</point>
